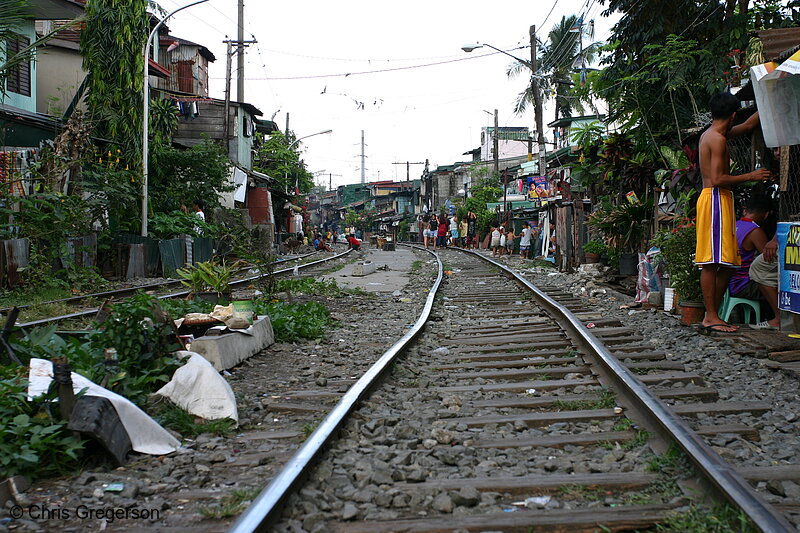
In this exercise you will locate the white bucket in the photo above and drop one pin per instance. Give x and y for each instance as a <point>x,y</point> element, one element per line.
<point>669,296</point>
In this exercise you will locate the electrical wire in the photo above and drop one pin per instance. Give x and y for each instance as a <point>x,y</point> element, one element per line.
<point>377,71</point>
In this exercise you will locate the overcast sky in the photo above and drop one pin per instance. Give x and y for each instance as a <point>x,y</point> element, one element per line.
<point>413,113</point>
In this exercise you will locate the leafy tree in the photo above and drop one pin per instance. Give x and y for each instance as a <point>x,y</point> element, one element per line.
<point>181,176</point>
<point>278,157</point>
<point>111,44</point>
<point>557,61</point>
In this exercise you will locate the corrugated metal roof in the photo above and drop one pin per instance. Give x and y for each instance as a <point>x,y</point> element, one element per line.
<point>778,41</point>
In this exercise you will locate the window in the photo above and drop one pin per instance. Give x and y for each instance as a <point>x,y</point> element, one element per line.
<point>19,76</point>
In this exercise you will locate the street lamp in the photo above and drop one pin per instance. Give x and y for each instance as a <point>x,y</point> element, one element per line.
<point>146,111</point>
<point>534,90</point>
<point>285,174</point>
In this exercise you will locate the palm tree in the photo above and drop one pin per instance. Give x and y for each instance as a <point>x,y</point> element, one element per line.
<point>560,57</point>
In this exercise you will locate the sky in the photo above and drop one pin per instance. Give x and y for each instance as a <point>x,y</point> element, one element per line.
<point>429,102</point>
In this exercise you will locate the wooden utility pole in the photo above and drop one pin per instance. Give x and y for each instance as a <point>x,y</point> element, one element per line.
<point>496,143</point>
<point>408,168</point>
<point>240,56</point>
<point>240,46</point>
<point>226,115</point>
<point>537,105</point>
<point>287,125</point>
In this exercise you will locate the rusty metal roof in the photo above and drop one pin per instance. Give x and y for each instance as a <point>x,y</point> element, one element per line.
<point>778,41</point>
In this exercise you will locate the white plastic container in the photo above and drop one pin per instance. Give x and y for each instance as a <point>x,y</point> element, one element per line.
<point>669,296</point>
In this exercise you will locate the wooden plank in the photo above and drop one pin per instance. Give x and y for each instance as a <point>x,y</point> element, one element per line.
<point>662,365</point>
<point>563,343</point>
<point>509,364</point>
<point>538,419</point>
<point>502,332</point>
<point>789,356</point>
<point>524,521</point>
<point>691,409</point>
<point>737,429</point>
<point>502,340</point>
<point>558,441</point>
<point>519,386</point>
<point>294,406</point>
<point>540,484</point>
<point>767,473</point>
<point>522,373</point>
<point>508,356</point>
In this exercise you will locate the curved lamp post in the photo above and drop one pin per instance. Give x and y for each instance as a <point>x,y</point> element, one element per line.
<point>146,111</point>
<point>297,141</point>
<point>534,90</point>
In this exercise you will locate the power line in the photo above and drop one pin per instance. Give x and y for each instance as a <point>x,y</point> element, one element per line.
<point>378,71</point>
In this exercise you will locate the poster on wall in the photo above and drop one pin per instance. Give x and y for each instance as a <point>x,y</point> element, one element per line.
<point>789,267</point>
<point>538,188</point>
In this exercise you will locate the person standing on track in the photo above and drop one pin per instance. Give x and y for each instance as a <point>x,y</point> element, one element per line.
<point>717,252</point>
<point>525,241</point>
<point>433,231</point>
<point>495,242</point>
<point>454,231</point>
<point>442,230</point>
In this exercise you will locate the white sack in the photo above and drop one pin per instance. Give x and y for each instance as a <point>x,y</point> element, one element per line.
<point>145,433</point>
<point>778,100</point>
<point>198,388</point>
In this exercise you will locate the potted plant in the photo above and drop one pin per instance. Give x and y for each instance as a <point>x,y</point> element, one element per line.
<point>593,250</point>
<point>625,228</point>
<point>208,281</point>
<point>677,252</point>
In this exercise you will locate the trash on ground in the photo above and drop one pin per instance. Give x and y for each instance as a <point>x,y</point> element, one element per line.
<point>199,389</point>
<point>533,501</point>
<point>146,435</point>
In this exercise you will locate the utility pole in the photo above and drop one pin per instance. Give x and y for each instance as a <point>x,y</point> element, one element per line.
<point>408,167</point>
<point>537,105</point>
<point>240,46</point>
<point>226,113</point>
<point>363,174</point>
<point>287,124</point>
<point>496,142</point>
<point>240,57</point>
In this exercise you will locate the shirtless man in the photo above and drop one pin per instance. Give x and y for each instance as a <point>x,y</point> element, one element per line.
<point>717,251</point>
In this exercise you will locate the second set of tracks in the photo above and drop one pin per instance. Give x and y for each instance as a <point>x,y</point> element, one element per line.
<point>508,407</point>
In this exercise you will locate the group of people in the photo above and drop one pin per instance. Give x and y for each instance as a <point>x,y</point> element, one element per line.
<point>444,230</point>
<point>502,240</point>
<point>734,256</point>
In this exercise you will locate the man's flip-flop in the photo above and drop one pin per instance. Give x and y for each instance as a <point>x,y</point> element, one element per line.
<point>715,328</point>
<point>764,325</point>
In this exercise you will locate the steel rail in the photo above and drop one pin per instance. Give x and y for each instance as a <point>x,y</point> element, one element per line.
<point>720,474</point>
<point>266,506</point>
<point>129,290</point>
<point>243,281</point>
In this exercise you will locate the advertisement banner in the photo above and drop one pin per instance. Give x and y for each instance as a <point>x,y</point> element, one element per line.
<point>789,267</point>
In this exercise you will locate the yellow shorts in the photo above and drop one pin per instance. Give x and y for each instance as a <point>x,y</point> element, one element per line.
<point>716,229</point>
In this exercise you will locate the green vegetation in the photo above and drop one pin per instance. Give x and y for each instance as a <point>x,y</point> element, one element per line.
<point>231,505</point>
<point>606,400</point>
<point>698,519</point>
<point>34,442</point>
<point>190,426</point>
<point>673,462</point>
<point>295,321</point>
<point>278,156</point>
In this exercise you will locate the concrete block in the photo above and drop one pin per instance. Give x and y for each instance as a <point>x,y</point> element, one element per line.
<point>227,351</point>
<point>364,269</point>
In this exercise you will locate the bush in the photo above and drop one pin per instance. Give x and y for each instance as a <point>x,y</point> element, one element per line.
<point>678,246</point>
<point>594,247</point>
<point>295,321</point>
<point>32,443</point>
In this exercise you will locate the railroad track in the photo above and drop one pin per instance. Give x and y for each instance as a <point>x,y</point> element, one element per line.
<point>129,291</point>
<point>515,409</point>
<point>241,282</point>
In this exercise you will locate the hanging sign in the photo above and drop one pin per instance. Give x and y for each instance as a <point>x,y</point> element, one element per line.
<point>789,267</point>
